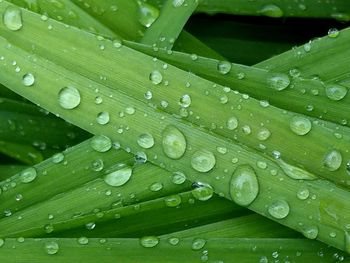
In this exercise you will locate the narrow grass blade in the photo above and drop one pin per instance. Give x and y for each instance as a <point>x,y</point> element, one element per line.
<point>166,29</point>
<point>276,189</point>
<point>25,154</point>
<point>244,250</point>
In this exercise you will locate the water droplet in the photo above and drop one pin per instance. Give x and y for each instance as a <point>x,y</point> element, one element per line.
<point>303,194</point>
<point>57,158</point>
<point>83,240</point>
<point>279,209</point>
<point>264,103</point>
<point>101,143</point>
<point>185,101</point>
<point>294,72</point>
<point>173,142</point>
<point>295,172</point>
<point>147,14</point>
<point>222,150</point>
<point>178,3</point>
<point>263,134</point>
<point>232,123</point>
<point>140,157</point>
<point>279,81</point>
<point>173,241</point>
<point>261,164</point>
<point>336,92</point>
<point>97,165</point>
<point>90,225</point>
<point>307,46</point>
<point>149,241</point>
<point>119,177</point>
<point>69,98</point>
<point>148,95</point>
<point>178,178</point>
<point>202,191</point>
<point>28,175</point>
<point>198,243</point>
<point>145,140</point>
<point>310,232</point>
<point>271,11</point>
<point>224,67</point>
<point>130,110</point>
<point>333,32</point>
<point>155,187</point>
<point>333,160</point>
<point>12,18</point>
<point>246,129</point>
<point>156,77</point>
<point>102,118</point>
<point>28,79</point>
<point>203,161</point>
<point>300,125</point>
<point>2,242</point>
<point>172,201</point>
<point>244,186</point>
<point>51,247</point>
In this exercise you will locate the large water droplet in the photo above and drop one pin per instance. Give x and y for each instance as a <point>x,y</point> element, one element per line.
<point>279,209</point>
<point>300,125</point>
<point>28,79</point>
<point>119,177</point>
<point>333,160</point>
<point>172,201</point>
<point>310,232</point>
<point>202,191</point>
<point>147,14</point>
<point>336,92</point>
<point>271,11</point>
<point>295,172</point>
<point>12,18</point>
<point>279,81</point>
<point>156,77</point>
<point>69,98</point>
<point>173,142</point>
<point>145,140</point>
<point>51,247</point>
<point>224,67</point>
<point>244,186</point>
<point>101,143</point>
<point>149,241</point>
<point>232,123</point>
<point>28,175</point>
<point>203,161</point>
<point>103,118</point>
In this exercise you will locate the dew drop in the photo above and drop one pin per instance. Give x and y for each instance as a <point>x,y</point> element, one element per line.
<point>295,172</point>
<point>279,81</point>
<point>203,161</point>
<point>336,92</point>
<point>310,232</point>
<point>130,110</point>
<point>198,243</point>
<point>101,143</point>
<point>178,178</point>
<point>145,140</point>
<point>148,95</point>
<point>69,98</point>
<point>202,191</point>
<point>224,67</point>
<point>303,194</point>
<point>156,77</point>
<point>83,240</point>
<point>149,241</point>
<point>12,18</point>
<point>279,209</point>
<point>102,118</point>
<point>300,125</point>
<point>28,79</point>
<point>333,160</point>
<point>118,177</point>
<point>57,158</point>
<point>333,32</point>
<point>271,11</point>
<point>263,134</point>
<point>28,175</point>
<point>173,142</point>
<point>244,186</point>
<point>155,187</point>
<point>172,201</point>
<point>174,241</point>
<point>97,165</point>
<point>51,247</point>
<point>185,101</point>
<point>232,123</point>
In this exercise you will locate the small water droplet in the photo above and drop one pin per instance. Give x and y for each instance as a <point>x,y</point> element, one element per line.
<point>294,72</point>
<point>156,77</point>
<point>178,178</point>
<point>198,243</point>
<point>149,241</point>
<point>300,125</point>
<point>119,177</point>
<point>155,187</point>
<point>303,194</point>
<point>271,11</point>
<point>28,175</point>
<point>145,140</point>
<point>148,95</point>
<point>202,191</point>
<point>333,32</point>
<point>130,110</point>
<point>263,134</point>
<point>232,123</point>
<point>295,172</point>
<point>279,209</point>
<point>336,92</point>
<point>69,98</point>
<point>310,232</point>
<point>90,225</point>
<point>279,81</point>
<point>333,160</point>
<point>172,201</point>
<point>83,240</point>
<point>224,67</point>
<point>103,118</point>
<point>246,129</point>
<point>51,247</point>
<point>185,101</point>
<point>58,157</point>
<point>244,186</point>
<point>203,161</point>
<point>97,165</point>
<point>28,79</point>
<point>173,142</point>
<point>173,241</point>
<point>12,18</point>
<point>101,143</point>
